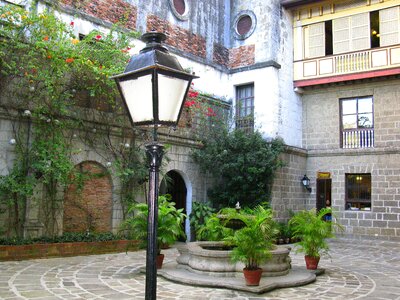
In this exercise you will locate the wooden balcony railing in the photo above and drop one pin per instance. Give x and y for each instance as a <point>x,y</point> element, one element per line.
<point>348,63</point>
<point>358,138</point>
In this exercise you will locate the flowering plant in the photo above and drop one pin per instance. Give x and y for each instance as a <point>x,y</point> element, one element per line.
<point>43,69</point>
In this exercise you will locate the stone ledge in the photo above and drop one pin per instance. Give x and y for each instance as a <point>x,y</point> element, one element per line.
<point>297,277</point>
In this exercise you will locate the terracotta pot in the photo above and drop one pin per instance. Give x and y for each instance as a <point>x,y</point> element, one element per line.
<point>252,277</point>
<point>311,262</point>
<point>159,261</point>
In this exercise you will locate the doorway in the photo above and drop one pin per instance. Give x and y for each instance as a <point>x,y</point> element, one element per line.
<point>174,185</point>
<point>324,199</point>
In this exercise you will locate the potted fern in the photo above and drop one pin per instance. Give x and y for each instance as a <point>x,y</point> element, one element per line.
<point>313,231</point>
<point>252,244</point>
<point>169,225</point>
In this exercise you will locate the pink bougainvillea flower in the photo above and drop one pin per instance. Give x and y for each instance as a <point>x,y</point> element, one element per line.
<point>189,103</point>
<point>193,94</point>
<point>69,60</point>
<point>210,112</point>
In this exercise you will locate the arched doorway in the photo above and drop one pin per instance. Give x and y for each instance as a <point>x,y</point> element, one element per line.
<point>174,185</point>
<point>88,204</point>
<point>178,185</point>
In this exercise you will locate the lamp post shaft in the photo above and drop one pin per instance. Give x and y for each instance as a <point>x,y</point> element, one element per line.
<point>154,153</point>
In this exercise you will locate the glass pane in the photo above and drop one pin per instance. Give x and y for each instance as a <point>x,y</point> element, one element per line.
<point>358,187</point>
<point>138,96</point>
<point>349,107</point>
<point>171,92</point>
<point>365,105</point>
<point>365,121</point>
<point>349,122</point>
<point>240,93</point>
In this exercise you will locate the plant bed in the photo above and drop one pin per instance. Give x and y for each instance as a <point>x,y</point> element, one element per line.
<point>21,252</point>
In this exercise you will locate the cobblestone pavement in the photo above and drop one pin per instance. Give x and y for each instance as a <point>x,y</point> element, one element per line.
<point>358,269</point>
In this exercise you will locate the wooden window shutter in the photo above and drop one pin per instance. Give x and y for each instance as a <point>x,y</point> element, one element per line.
<point>341,35</point>
<point>360,32</point>
<point>389,26</point>
<point>316,40</point>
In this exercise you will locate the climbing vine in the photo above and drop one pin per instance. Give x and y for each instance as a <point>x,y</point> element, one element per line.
<point>46,72</point>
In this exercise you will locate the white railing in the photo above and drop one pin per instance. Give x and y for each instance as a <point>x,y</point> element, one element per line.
<point>352,62</point>
<point>361,138</point>
<point>348,63</point>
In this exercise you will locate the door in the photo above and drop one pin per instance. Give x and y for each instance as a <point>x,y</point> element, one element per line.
<point>324,193</point>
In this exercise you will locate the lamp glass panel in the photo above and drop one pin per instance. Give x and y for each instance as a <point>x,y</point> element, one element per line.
<point>138,96</point>
<point>171,92</point>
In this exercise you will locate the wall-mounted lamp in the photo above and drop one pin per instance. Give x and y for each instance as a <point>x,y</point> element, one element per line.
<point>306,182</point>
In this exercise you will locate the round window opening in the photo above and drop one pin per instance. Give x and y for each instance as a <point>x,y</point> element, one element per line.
<point>180,6</point>
<point>180,9</point>
<point>244,24</point>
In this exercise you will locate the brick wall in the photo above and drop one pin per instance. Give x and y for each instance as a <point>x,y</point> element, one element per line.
<point>91,207</point>
<point>221,55</point>
<point>242,56</point>
<point>108,10</point>
<point>178,37</point>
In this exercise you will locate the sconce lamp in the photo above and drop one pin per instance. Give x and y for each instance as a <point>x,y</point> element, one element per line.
<point>306,182</point>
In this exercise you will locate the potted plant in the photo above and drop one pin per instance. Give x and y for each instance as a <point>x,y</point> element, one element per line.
<point>313,231</point>
<point>252,244</point>
<point>169,225</point>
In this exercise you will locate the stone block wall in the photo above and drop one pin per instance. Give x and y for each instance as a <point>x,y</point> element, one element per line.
<point>321,136</point>
<point>288,194</point>
<point>384,218</point>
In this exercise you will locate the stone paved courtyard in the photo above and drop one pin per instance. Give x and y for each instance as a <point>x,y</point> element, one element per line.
<point>358,269</point>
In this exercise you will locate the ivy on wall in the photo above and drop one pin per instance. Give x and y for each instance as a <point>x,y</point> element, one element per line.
<point>45,73</point>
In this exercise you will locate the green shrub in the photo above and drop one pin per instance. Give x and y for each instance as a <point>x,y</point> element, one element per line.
<point>67,237</point>
<point>199,215</point>
<point>169,224</point>
<point>313,231</point>
<point>242,164</point>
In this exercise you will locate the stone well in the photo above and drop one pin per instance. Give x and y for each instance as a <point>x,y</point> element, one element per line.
<point>214,259</point>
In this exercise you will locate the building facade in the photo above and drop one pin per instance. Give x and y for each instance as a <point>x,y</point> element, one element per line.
<point>322,75</point>
<point>346,66</point>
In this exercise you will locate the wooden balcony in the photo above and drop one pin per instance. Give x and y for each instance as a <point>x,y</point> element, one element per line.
<point>357,138</point>
<point>348,66</point>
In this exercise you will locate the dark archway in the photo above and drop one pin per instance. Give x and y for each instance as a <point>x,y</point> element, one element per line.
<point>174,185</point>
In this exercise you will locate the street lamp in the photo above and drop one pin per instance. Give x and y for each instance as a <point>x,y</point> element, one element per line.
<point>153,89</point>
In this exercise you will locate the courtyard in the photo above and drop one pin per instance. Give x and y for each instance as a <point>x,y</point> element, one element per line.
<point>357,269</point>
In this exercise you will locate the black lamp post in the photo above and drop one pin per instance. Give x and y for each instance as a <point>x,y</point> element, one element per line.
<point>153,89</point>
<point>306,182</point>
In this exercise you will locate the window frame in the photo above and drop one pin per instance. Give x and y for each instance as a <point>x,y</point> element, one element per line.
<point>341,100</point>
<point>245,122</point>
<point>359,203</point>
